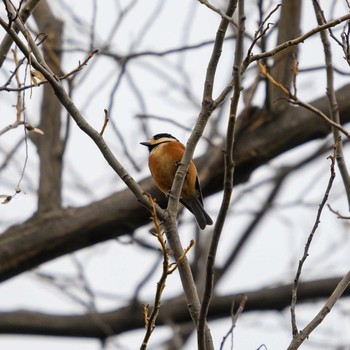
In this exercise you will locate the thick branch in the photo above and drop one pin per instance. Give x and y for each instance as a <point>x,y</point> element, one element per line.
<point>51,235</point>
<point>173,310</point>
<point>282,70</point>
<point>50,146</point>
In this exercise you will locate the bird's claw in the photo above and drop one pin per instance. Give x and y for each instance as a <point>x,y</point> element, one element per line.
<point>177,163</point>
<point>169,194</point>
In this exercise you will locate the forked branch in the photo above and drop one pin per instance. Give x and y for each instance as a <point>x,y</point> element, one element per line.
<point>308,244</point>
<point>168,269</point>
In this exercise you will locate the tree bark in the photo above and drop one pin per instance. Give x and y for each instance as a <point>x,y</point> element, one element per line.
<point>173,311</point>
<point>50,145</point>
<point>282,69</point>
<point>53,234</point>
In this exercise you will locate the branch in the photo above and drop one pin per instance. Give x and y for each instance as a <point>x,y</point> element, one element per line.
<point>292,98</point>
<point>130,317</point>
<point>50,148</point>
<point>168,269</point>
<point>60,77</point>
<point>234,320</point>
<point>207,108</point>
<point>248,60</point>
<point>337,293</point>
<point>308,244</point>
<point>333,104</point>
<point>39,63</point>
<point>44,238</point>
<point>281,70</point>
<point>218,11</point>
<point>24,14</point>
<point>150,321</point>
<point>228,177</point>
<point>339,216</point>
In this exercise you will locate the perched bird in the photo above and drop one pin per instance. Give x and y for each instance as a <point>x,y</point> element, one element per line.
<point>165,156</point>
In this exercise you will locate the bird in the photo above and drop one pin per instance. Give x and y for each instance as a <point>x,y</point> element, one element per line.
<point>165,154</point>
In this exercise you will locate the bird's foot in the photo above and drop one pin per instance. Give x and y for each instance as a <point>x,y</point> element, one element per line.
<point>169,194</point>
<point>177,163</point>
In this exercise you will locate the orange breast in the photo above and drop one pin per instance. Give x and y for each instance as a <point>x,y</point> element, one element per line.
<point>163,166</point>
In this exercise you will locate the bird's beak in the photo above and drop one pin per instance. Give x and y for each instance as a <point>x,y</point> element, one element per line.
<point>147,144</point>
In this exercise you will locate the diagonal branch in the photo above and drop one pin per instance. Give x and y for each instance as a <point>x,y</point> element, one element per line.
<point>333,104</point>
<point>248,60</point>
<point>337,293</point>
<point>307,246</point>
<point>24,13</point>
<point>48,236</point>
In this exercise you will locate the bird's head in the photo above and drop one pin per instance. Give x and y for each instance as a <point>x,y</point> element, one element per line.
<point>158,139</point>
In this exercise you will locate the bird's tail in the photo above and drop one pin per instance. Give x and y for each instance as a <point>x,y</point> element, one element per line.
<point>197,209</point>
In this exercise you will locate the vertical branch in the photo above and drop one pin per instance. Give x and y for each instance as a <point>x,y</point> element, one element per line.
<point>288,28</point>
<point>216,53</point>
<point>50,147</point>
<point>248,232</point>
<point>235,316</point>
<point>187,280</point>
<point>173,238</point>
<point>228,176</point>
<point>150,321</point>
<point>168,269</point>
<point>208,106</point>
<point>333,104</point>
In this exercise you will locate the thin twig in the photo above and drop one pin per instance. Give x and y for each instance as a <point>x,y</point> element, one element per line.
<point>296,101</point>
<point>235,316</point>
<point>39,64</point>
<point>261,31</point>
<point>207,108</point>
<point>277,180</point>
<point>305,333</point>
<point>252,58</point>
<point>16,124</point>
<point>7,41</point>
<point>340,216</point>
<point>119,58</point>
<point>308,244</point>
<point>61,77</point>
<point>175,265</point>
<point>228,178</point>
<point>106,120</point>
<point>318,112</point>
<point>218,11</point>
<point>78,118</point>
<point>265,208</point>
<point>168,269</point>
<point>333,104</point>
<point>19,96</point>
